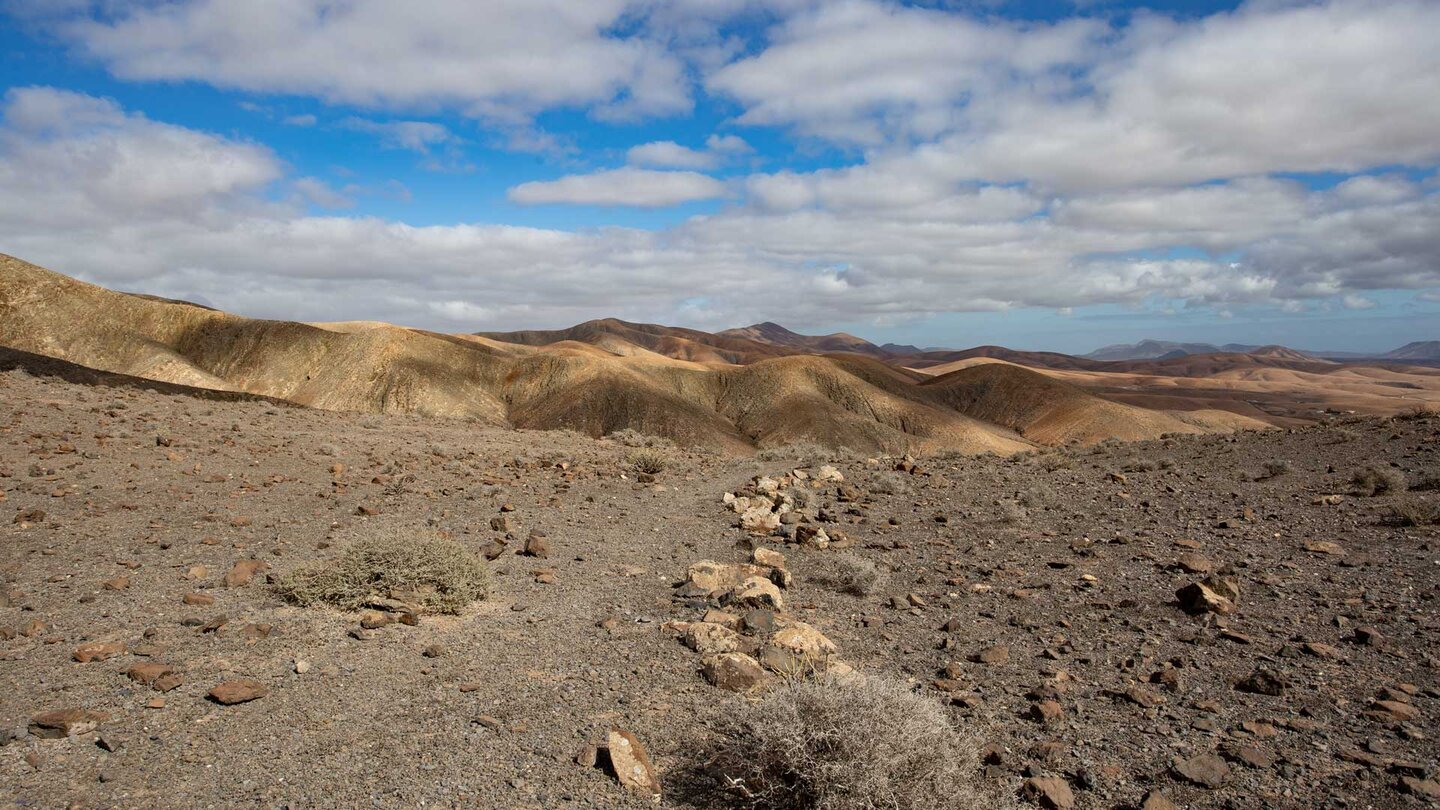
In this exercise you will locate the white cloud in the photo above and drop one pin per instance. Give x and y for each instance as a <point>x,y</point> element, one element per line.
<point>641,188</point>
<point>1353,301</point>
<point>416,136</point>
<point>719,149</point>
<point>859,70</point>
<point>500,59</point>
<point>670,155</point>
<point>320,193</point>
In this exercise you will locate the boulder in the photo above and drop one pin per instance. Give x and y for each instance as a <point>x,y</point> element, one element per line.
<point>735,672</point>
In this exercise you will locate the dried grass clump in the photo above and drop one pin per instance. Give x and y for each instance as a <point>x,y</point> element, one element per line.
<point>857,575</point>
<point>1373,481</point>
<point>855,745</point>
<point>443,575</point>
<point>1274,469</point>
<point>648,461</point>
<point>631,437</point>
<point>1415,511</point>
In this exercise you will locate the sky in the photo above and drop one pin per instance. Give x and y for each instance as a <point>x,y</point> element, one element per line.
<point>1040,174</point>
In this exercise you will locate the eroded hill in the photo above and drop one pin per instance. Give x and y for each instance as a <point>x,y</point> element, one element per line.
<point>729,391</point>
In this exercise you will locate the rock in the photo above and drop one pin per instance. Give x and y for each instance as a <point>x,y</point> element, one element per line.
<point>374,619</point>
<point>158,676</point>
<point>1194,564</point>
<point>65,723</point>
<point>1319,650</point>
<point>537,545</point>
<point>811,536</point>
<point>631,763</point>
<point>117,584</point>
<point>1199,598</point>
<point>760,519</point>
<point>767,557</point>
<point>759,621</point>
<point>1368,636</point>
<point>502,523</point>
<point>708,576</point>
<point>1147,698</point>
<point>241,690</point>
<point>243,571</point>
<point>198,599</point>
<point>708,638</point>
<point>1051,792</point>
<point>1155,800</point>
<point>1424,788</point>
<point>758,592</point>
<point>434,651</point>
<point>1205,770</point>
<point>1393,710</point>
<point>993,655</point>
<point>98,651</point>
<point>1047,711</point>
<point>829,473</point>
<point>735,672</point>
<point>301,666</point>
<point>803,641</point>
<point>1262,682</point>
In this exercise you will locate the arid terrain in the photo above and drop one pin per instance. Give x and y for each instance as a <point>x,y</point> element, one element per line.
<point>739,390</point>
<point>1035,595</point>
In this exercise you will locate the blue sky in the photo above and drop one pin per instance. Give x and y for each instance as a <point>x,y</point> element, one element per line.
<point>1043,175</point>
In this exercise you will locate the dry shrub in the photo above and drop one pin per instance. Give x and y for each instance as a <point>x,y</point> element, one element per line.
<point>1374,480</point>
<point>1415,512</point>
<point>444,575</point>
<point>855,745</point>
<point>857,575</point>
<point>631,437</point>
<point>1274,469</point>
<point>648,461</point>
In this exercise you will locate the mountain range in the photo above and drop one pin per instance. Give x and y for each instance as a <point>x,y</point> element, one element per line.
<point>738,389</point>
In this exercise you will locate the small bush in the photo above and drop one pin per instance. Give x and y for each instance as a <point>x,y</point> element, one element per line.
<point>1373,481</point>
<point>857,575</point>
<point>648,461</point>
<point>1011,512</point>
<point>634,438</point>
<point>857,745</point>
<point>1415,512</point>
<point>1274,469</point>
<point>444,575</point>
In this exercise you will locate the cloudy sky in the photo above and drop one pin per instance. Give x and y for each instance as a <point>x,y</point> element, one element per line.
<point>1042,174</point>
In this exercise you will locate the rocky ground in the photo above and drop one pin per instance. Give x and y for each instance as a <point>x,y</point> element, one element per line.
<point>1036,596</point>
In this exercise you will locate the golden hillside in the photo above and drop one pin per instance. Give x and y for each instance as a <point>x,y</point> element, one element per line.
<point>598,378</point>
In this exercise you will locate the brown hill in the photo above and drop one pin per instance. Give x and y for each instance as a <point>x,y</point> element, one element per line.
<point>774,334</point>
<point>595,378</point>
<point>670,341</point>
<point>1048,411</point>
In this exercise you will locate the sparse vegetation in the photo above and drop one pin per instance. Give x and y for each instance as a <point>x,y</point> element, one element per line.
<point>634,438</point>
<point>1274,469</point>
<point>854,745</point>
<point>648,461</point>
<point>857,575</point>
<point>1374,480</point>
<point>1414,511</point>
<point>1011,512</point>
<point>443,575</point>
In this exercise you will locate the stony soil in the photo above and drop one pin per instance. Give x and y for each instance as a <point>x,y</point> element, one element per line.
<point>1059,570</point>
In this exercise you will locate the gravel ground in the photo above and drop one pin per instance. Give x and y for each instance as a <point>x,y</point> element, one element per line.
<point>1070,561</point>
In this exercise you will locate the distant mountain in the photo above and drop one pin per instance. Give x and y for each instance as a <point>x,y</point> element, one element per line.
<point>1164,349</point>
<point>1418,350</point>
<point>773,334</point>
